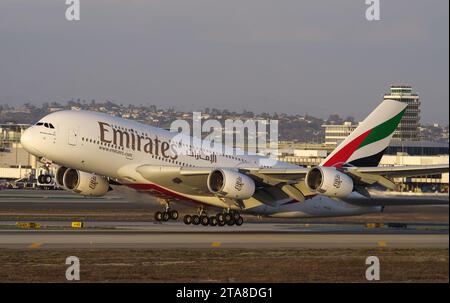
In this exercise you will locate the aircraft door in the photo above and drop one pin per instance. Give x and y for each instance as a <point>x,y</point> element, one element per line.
<point>73,136</point>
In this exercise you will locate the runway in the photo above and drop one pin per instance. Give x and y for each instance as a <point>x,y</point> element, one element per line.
<point>131,201</point>
<point>54,211</point>
<point>60,199</point>
<point>251,235</point>
<point>120,242</point>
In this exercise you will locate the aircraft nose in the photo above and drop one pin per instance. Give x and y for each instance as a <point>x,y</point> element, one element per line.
<point>26,139</point>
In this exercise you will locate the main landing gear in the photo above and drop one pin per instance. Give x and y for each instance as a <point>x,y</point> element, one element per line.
<point>229,218</point>
<point>164,216</point>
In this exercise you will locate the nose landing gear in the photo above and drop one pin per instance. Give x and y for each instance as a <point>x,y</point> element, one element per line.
<point>45,179</point>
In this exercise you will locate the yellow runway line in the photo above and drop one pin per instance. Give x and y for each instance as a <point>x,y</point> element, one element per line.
<point>382,243</point>
<point>35,245</point>
<point>215,244</point>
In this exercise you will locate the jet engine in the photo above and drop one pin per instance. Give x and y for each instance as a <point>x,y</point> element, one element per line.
<point>82,183</point>
<point>329,181</point>
<point>230,184</point>
<point>59,176</point>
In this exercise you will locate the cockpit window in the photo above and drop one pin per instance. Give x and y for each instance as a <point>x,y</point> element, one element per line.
<point>47,125</point>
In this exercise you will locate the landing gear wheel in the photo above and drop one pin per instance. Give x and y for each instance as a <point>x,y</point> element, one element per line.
<point>228,217</point>
<point>47,179</point>
<point>165,216</point>
<point>213,221</point>
<point>204,220</point>
<point>221,217</point>
<point>187,219</point>
<point>173,214</point>
<point>235,215</point>
<point>239,221</point>
<point>230,222</point>
<point>221,223</point>
<point>158,216</point>
<point>195,220</point>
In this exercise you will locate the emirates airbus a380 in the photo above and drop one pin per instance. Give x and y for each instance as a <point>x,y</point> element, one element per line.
<point>96,152</point>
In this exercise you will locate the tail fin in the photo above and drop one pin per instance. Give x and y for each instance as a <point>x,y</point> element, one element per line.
<point>366,144</point>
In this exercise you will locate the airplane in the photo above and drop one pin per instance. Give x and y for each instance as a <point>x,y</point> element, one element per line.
<point>96,152</point>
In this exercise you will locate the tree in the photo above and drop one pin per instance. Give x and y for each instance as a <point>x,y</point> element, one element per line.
<point>334,119</point>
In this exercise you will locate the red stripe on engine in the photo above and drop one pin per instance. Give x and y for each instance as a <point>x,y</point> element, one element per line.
<point>343,154</point>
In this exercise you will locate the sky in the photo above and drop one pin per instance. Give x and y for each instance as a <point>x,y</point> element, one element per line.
<point>314,57</point>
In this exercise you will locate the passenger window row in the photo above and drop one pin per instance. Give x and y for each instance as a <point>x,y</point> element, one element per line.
<point>100,143</point>
<point>87,140</point>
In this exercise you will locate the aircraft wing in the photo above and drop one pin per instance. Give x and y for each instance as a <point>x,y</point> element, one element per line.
<point>395,199</point>
<point>188,181</point>
<point>284,172</point>
<point>366,176</point>
<point>402,171</point>
<point>193,181</point>
<point>276,175</point>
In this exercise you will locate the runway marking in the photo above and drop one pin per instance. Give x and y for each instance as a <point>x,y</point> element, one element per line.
<point>382,243</point>
<point>35,245</point>
<point>37,240</point>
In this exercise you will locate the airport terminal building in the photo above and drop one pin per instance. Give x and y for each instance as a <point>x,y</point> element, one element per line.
<point>15,161</point>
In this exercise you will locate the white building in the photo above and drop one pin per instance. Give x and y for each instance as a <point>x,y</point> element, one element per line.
<point>425,183</point>
<point>336,133</point>
<point>408,128</point>
<point>15,161</point>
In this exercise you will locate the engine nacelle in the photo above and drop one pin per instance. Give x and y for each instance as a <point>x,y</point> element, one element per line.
<point>230,184</point>
<point>59,176</point>
<point>85,184</point>
<point>329,181</point>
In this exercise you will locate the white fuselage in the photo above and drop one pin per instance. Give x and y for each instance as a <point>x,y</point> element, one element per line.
<point>114,147</point>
